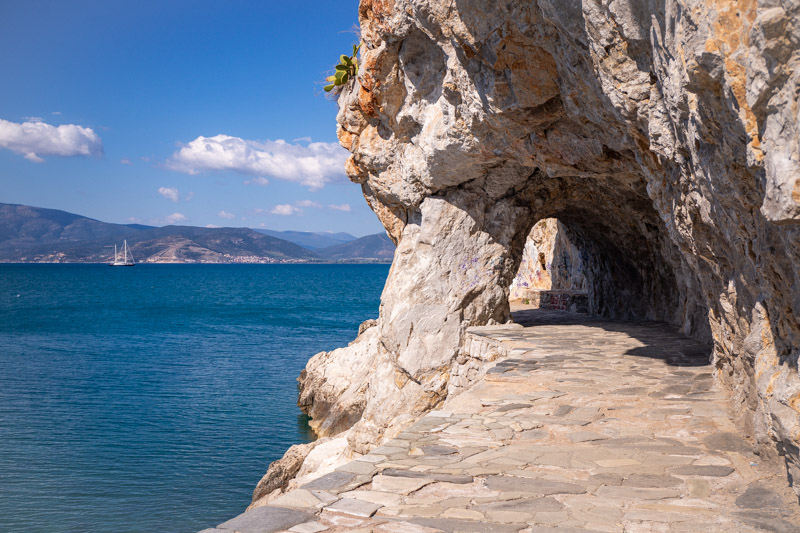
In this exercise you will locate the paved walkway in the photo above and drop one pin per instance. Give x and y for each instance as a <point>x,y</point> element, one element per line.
<point>583,425</point>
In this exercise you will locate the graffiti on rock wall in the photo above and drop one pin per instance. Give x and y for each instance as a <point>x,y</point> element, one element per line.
<point>474,273</point>
<point>550,261</point>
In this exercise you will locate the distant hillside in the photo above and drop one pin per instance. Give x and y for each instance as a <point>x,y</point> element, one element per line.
<point>310,240</point>
<point>214,245</point>
<point>32,234</point>
<point>372,247</point>
<point>36,225</point>
<point>37,235</point>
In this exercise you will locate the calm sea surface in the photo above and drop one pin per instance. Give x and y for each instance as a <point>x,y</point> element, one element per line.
<point>153,398</point>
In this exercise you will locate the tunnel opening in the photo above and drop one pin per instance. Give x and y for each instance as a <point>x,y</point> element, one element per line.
<point>606,252</point>
<point>551,272</point>
<point>575,263</point>
<point>579,264</point>
<point>611,261</point>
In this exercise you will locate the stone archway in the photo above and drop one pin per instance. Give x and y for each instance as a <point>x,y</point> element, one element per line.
<point>551,272</point>
<point>456,258</point>
<point>637,127</point>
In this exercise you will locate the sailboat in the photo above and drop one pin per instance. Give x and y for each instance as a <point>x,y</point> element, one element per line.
<point>125,259</point>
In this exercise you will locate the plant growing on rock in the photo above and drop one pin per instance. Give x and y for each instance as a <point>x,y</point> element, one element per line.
<point>345,70</point>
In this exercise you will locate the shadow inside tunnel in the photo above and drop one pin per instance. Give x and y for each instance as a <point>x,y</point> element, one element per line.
<point>661,340</point>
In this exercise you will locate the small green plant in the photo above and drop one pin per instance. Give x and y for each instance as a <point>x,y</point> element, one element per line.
<point>345,70</point>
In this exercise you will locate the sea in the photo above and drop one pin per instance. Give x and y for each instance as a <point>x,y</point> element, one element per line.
<point>153,398</point>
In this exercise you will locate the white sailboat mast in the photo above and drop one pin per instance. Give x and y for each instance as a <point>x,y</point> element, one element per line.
<point>127,257</point>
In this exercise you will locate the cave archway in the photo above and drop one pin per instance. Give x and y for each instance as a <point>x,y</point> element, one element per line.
<point>614,250</point>
<point>551,273</point>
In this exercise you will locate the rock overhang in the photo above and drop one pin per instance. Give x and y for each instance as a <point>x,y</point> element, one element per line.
<point>664,137</point>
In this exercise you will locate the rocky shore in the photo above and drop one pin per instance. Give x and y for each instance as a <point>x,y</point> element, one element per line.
<point>579,424</point>
<point>663,136</point>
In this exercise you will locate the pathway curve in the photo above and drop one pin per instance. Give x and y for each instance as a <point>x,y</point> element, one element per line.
<point>582,425</point>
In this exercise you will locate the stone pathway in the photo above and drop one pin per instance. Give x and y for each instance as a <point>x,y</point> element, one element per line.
<point>582,425</point>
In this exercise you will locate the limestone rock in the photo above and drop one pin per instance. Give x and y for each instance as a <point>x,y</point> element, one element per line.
<point>282,471</point>
<point>550,261</point>
<point>323,459</point>
<point>333,385</point>
<point>663,136</point>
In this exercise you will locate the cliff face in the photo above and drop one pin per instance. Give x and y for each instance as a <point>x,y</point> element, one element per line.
<point>549,262</point>
<point>664,135</point>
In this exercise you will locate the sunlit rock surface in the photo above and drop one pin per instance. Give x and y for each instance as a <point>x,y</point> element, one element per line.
<point>550,261</point>
<point>663,135</point>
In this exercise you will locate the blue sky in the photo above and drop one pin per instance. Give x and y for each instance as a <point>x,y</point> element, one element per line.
<point>193,112</point>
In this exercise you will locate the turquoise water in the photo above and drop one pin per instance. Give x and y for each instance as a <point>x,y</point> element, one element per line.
<point>153,398</point>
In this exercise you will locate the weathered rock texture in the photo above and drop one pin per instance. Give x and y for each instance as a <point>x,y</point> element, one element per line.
<point>549,262</point>
<point>664,135</point>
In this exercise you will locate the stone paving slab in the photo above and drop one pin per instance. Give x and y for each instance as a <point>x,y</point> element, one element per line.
<point>586,425</point>
<point>266,520</point>
<point>355,507</point>
<point>309,527</point>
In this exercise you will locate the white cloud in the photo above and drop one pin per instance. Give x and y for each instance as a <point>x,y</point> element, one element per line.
<point>36,139</point>
<point>170,193</point>
<point>125,161</point>
<point>302,139</point>
<point>285,210</point>
<point>175,217</point>
<point>340,207</point>
<point>313,165</point>
<point>56,112</point>
<point>257,181</point>
<point>225,214</point>
<point>188,197</point>
<point>289,209</point>
<point>212,226</point>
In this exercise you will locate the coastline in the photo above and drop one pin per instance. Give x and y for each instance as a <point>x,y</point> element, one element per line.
<point>544,435</point>
<point>302,463</point>
<point>277,262</point>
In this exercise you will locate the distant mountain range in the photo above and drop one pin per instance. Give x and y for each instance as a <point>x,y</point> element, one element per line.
<point>309,240</point>
<point>37,235</point>
<point>377,246</point>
